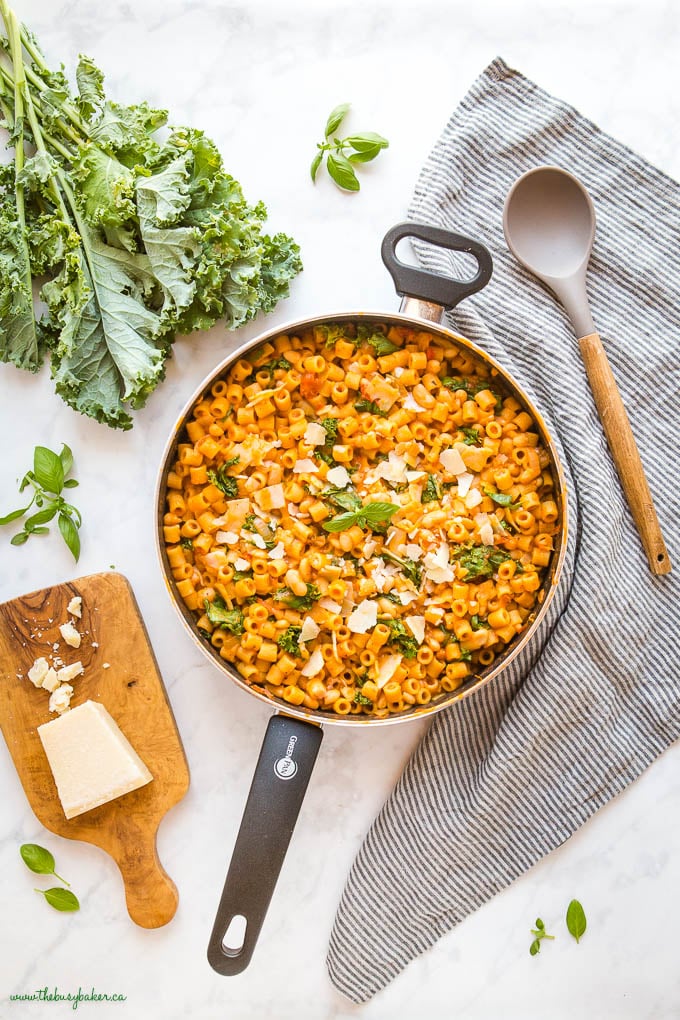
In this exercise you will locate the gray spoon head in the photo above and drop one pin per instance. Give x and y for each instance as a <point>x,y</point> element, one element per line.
<point>549,225</point>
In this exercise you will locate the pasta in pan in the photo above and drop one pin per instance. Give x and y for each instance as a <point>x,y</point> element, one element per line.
<point>359,518</point>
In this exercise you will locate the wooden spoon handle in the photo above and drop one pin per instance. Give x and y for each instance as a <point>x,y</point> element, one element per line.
<point>624,451</point>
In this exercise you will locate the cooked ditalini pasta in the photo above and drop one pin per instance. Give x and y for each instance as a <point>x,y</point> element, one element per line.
<point>360,518</point>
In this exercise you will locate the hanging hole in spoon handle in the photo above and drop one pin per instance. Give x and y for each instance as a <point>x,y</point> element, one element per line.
<point>444,291</point>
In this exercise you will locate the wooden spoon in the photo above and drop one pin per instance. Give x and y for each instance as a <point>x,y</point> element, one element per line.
<point>549,224</point>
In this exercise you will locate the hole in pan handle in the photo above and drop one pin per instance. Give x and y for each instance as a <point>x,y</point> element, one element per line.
<point>282,773</point>
<point>421,283</point>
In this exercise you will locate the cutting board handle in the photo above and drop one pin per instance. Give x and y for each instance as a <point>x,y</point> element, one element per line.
<point>150,894</point>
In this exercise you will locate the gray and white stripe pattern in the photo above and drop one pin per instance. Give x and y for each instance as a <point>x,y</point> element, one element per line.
<point>507,775</point>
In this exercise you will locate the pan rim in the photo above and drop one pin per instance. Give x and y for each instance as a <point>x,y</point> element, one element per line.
<point>549,585</point>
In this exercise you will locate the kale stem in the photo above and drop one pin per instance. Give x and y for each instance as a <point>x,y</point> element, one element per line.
<point>37,58</point>
<point>12,28</point>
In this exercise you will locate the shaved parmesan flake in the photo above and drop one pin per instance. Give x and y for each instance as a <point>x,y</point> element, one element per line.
<point>226,537</point>
<point>305,466</point>
<point>406,597</point>
<point>388,667</point>
<point>278,552</point>
<point>411,404</point>
<point>329,605</point>
<point>262,395</point>
<point>241,564</point>
<point>310,629</point>
<point>393,469</point>
<point>314,665</point>
<point>416,624</point>
<point>464,482</point>
<point>413,476</point>
<point>315,434</point>
<point>414,552</point>
<point>271,497</point>
<point>486,533</point>
<point>437,566</point>
<point>259,541</point>
<point>75,606</point>
<point>338,476</point>
<point>452,462</point>
<point>364,617</point>
<point>473,499</point>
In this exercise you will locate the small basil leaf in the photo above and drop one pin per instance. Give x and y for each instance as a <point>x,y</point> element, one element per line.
<point>70,534</point>
<point>70,483</point>
<point>66,458</point>
<point>341,523</point>
<point>535,947</point>
<point>37,858</point>
<point>48,469</point>
<point>19,538</point>
<point>60,899</point>
<point>576,919</point>
<point>363,157</point>
<point>336,117</point>
<point>15,515</point>
<point>367,142</point>
<point>340,169</point>
<point>42,517</point>
<point>316,163</point>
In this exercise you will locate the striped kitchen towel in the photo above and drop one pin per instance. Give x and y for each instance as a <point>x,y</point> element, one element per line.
<point>507,775</point>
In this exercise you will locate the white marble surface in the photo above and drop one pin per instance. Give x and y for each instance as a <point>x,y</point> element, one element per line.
<point>260,78</point>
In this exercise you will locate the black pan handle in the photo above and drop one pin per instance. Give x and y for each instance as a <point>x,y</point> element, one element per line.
<point>281,776</point>
<point>420,283</point>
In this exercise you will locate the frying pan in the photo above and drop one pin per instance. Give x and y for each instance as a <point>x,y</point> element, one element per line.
<point>294,734</point>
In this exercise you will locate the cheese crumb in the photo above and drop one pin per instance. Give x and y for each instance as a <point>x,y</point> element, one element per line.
<point>51,681</point>
<point>278,552</point>
<point>60,699</point>
<point>38,672</point>
<point>75,606</point>
<point>70,635</point>
<point>70,672</point>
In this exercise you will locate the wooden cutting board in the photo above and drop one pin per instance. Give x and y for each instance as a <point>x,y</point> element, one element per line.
<point>132,690</point>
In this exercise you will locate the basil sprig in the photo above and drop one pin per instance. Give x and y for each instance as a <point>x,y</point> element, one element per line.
<point>342,154</point>
<point>539,934</point>
<point>48,480</point>
<point>371,515</point>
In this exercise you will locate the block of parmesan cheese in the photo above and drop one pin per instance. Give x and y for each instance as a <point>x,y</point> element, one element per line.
<point>91,760</point>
